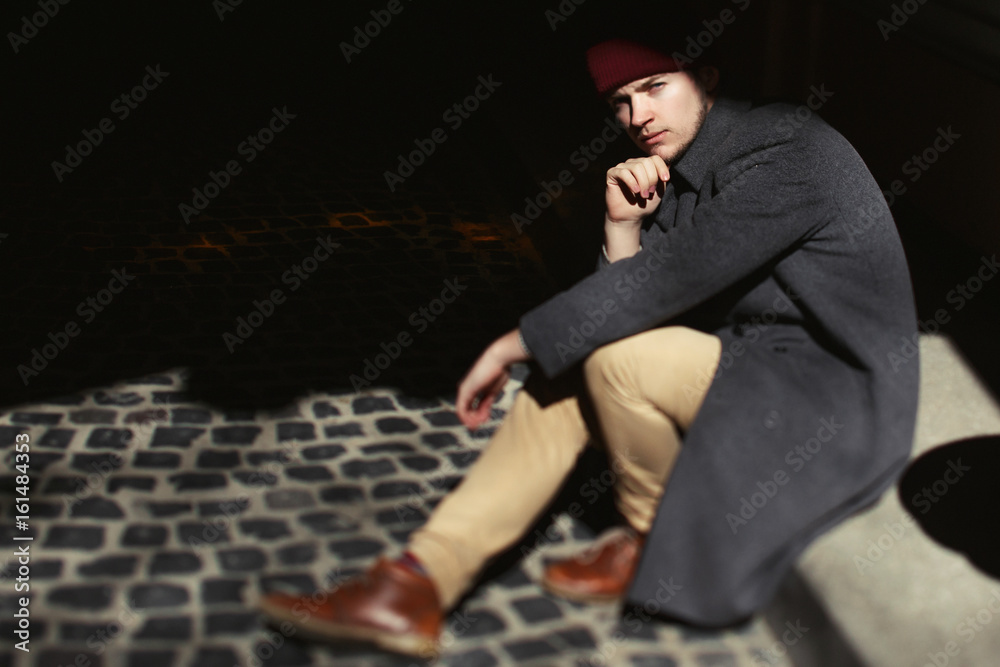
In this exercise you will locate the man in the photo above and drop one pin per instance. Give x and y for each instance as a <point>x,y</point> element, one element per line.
<point>736,340</point>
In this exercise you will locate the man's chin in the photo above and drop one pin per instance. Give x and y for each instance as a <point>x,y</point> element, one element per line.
<point>668,154</point>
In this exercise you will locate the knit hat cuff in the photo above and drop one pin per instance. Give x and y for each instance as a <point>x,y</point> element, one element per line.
<point>617,62</point>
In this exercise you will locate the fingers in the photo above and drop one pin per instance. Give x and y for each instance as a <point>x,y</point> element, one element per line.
<point>479,388</point>
<point>657,171</point>
<point>470,411</point>
<point>483,402</point>
<point>473,403</point>
<point>649,178</point>
<point>466,399</point>
<point>477,412</point>
<point>462,403</point>
<point>624,178</point>
<point>662,170</point>
<point>641,176</point>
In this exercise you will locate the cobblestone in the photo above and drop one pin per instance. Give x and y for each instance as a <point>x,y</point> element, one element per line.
<point>168,509</point>
<point>323,452</point>
<point>109,566</point>
<point>58,438</point>
<point>235,435</point>
<point>342,430</point>
<point>174,563</point>
<point>166,436</point>
<point>222,591</point>
<point>144,536</point>
<point>74,537</point>
<point>81,597</point>
<point>289,499</point>
<point>137,483</point>
<point>309,473</point>
<point>241,560</point>
<point>146,596</point>
<point>170,628</point>
<point>190,481</point>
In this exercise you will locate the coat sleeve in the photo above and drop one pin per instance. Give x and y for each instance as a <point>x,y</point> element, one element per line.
<point>767,198</point>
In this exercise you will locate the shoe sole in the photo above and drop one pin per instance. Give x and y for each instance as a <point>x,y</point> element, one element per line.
<point>577,596</point>
<point>310,628</point>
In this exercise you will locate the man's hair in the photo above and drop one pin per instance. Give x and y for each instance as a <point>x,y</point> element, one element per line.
<point>694,71</point>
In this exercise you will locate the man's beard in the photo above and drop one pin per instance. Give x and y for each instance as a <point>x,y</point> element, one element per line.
<point>682,149</point>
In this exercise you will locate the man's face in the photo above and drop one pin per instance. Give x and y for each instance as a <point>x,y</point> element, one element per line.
<point>662,113</point>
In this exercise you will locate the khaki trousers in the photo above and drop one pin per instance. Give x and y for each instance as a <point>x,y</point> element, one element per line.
<point>635,397</point>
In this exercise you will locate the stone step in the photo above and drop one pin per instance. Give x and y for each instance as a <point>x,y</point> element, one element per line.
<point>892,593</point>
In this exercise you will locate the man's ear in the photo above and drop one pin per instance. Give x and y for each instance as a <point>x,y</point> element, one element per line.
<point>709,75</point>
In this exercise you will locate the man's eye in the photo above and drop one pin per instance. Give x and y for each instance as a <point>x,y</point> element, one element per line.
<point>658,84</point>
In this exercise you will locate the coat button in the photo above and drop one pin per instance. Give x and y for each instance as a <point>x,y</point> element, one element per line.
<point>772,419</point>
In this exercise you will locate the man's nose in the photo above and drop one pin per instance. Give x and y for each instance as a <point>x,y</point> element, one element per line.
<point>641,112</point>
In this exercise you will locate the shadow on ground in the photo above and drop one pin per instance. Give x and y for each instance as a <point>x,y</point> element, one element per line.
<point>952,493</point>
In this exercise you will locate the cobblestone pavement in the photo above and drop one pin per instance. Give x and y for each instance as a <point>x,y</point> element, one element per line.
<point>158,522</point>
<point>174,480</point>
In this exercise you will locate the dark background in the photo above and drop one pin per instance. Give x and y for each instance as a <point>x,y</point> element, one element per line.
<point>892,93</point>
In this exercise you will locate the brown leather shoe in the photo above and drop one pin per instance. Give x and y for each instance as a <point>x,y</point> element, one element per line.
<point>390,605</point>
<point>602,573</point>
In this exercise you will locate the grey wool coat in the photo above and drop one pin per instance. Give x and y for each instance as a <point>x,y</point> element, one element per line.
<point>773,235</point>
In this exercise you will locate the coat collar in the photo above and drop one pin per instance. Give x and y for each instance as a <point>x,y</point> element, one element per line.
<point>719,121</point>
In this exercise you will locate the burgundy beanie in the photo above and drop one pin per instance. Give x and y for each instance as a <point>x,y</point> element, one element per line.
<point>616,62</point>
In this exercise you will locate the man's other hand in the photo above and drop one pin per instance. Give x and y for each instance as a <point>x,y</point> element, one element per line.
<point>634,188</point>
<point>479,388</point>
